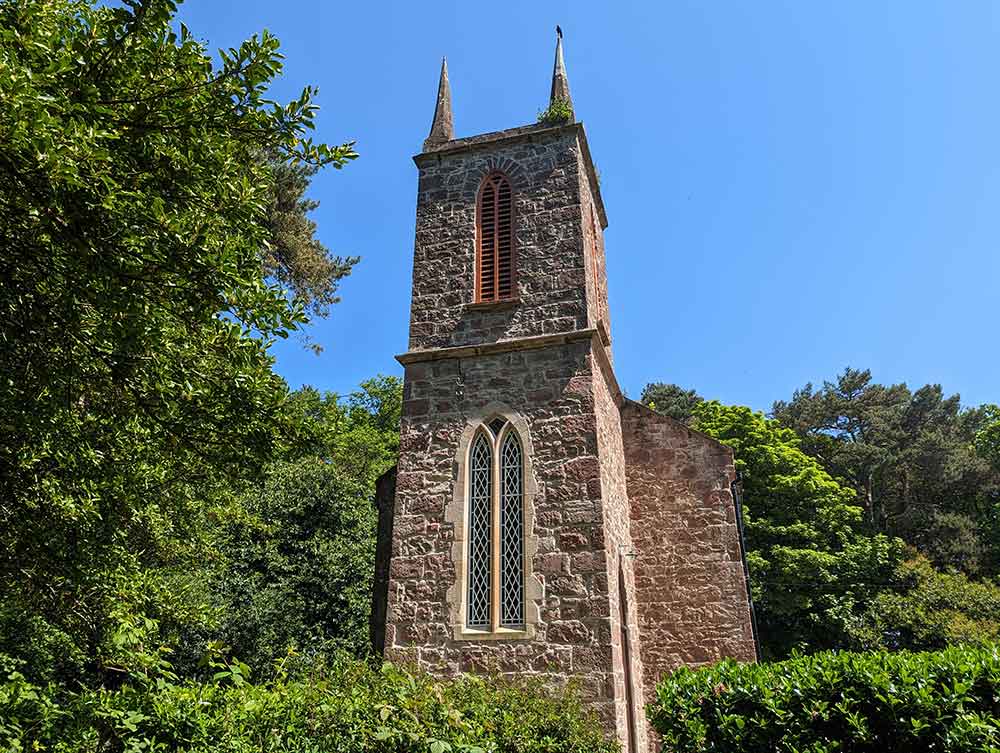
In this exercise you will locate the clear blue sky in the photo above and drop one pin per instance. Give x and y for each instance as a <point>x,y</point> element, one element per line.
<point>791,187</point>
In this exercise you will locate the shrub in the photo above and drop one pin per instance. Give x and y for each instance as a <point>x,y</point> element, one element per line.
<point>930,610</point>
<point>349,708</point>
<point>299,567</point>
<point>835,701</point>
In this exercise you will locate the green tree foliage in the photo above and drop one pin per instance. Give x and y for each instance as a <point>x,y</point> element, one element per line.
<point>360,433</point>
<point>298,555</point>
<point>987,439</point>
<point>293,255</point>
<point>953,542</point>
<point>835,702</point>
<point>908,454</point>
<point>298,566</point>
<point>812,566</point>
<point>349,707</point>
<point>671,400</point>
<point>927,609</point>
<point>135,316</point>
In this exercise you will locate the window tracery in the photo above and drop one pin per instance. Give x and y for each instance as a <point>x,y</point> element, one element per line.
<point>495,558</point>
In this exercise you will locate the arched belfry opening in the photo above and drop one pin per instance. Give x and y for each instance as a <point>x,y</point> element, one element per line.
<point>495,240</point>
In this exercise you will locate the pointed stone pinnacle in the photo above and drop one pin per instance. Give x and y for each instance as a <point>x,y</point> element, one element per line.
<point>560,82</point>
<point>443,127</point>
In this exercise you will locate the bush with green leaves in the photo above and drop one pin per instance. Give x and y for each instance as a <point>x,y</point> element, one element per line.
<point>928,610</point>
<point>349,708</point>
<point>835,701</point>
<point>298,566</point>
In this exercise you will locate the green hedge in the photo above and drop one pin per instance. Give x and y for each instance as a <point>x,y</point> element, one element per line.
<point>835,701</point>
<point>351,708</point>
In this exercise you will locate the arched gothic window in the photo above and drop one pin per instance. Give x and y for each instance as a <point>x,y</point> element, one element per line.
<point>495,240</point>
<point>495,559</point>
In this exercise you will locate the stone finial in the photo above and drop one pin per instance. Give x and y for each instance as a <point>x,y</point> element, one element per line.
<point>560,82</point>
<point>443,127</point>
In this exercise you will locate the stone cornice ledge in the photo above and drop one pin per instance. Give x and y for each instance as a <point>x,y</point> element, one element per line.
<point>597,335</point>
<point>500,346</point>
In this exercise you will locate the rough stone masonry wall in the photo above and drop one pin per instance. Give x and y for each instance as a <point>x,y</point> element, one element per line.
<point>551,389</point>
<point>693,606</point>
<point>597,272</point>
<point>617,546</point>
<point>543,167</point>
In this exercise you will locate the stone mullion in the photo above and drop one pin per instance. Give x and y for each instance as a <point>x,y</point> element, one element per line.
<point>495,540</point>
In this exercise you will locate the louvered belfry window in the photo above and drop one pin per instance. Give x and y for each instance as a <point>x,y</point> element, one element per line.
<point>495,560</point>
<point>495,253</point>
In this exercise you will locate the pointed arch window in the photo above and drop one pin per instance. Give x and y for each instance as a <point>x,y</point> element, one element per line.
<point>495,240</point>
<point>480,533</point>
<point>495,557</point>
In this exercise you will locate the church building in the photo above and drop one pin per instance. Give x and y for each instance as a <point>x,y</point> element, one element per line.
<point>538,521</point>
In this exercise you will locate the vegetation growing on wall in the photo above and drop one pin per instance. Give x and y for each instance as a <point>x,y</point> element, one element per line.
<point>559,112</point>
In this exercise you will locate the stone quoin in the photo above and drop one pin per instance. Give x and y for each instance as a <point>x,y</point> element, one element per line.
<point>538,522</point>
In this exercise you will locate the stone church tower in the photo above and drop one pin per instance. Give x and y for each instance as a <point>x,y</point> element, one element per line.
<point>539,522</point>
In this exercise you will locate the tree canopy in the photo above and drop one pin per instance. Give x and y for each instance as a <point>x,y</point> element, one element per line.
<point>909,455</point>
<point>137,185</point>
<point>298,556</point>
<point>812,566</point>
<point>872,512</point>
<point>671,400</point>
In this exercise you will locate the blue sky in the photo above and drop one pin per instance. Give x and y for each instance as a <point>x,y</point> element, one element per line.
<point>791,187</point>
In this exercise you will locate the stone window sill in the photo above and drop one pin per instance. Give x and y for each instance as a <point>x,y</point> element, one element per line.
<point>507,303</point>
<point>461,633</point>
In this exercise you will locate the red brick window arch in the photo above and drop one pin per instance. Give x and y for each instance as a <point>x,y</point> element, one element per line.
<point>495,240</point>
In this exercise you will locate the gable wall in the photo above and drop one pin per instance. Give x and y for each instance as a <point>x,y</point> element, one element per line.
<point>693,604</point>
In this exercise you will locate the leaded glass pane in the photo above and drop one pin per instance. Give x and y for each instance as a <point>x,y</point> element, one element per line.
<point>480,524</point>
<point>511,534</point>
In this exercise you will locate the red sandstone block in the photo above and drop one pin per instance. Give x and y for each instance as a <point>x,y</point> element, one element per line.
<point>583,468</point>
<point>567,585</point>
<point>553,563</point>
<point>586,562</point>
<point>568,632</point>
<point>406,567</point>
<point>573,539</point>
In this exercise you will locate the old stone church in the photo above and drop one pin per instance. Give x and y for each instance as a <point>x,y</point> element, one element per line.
<point>538,521</point>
